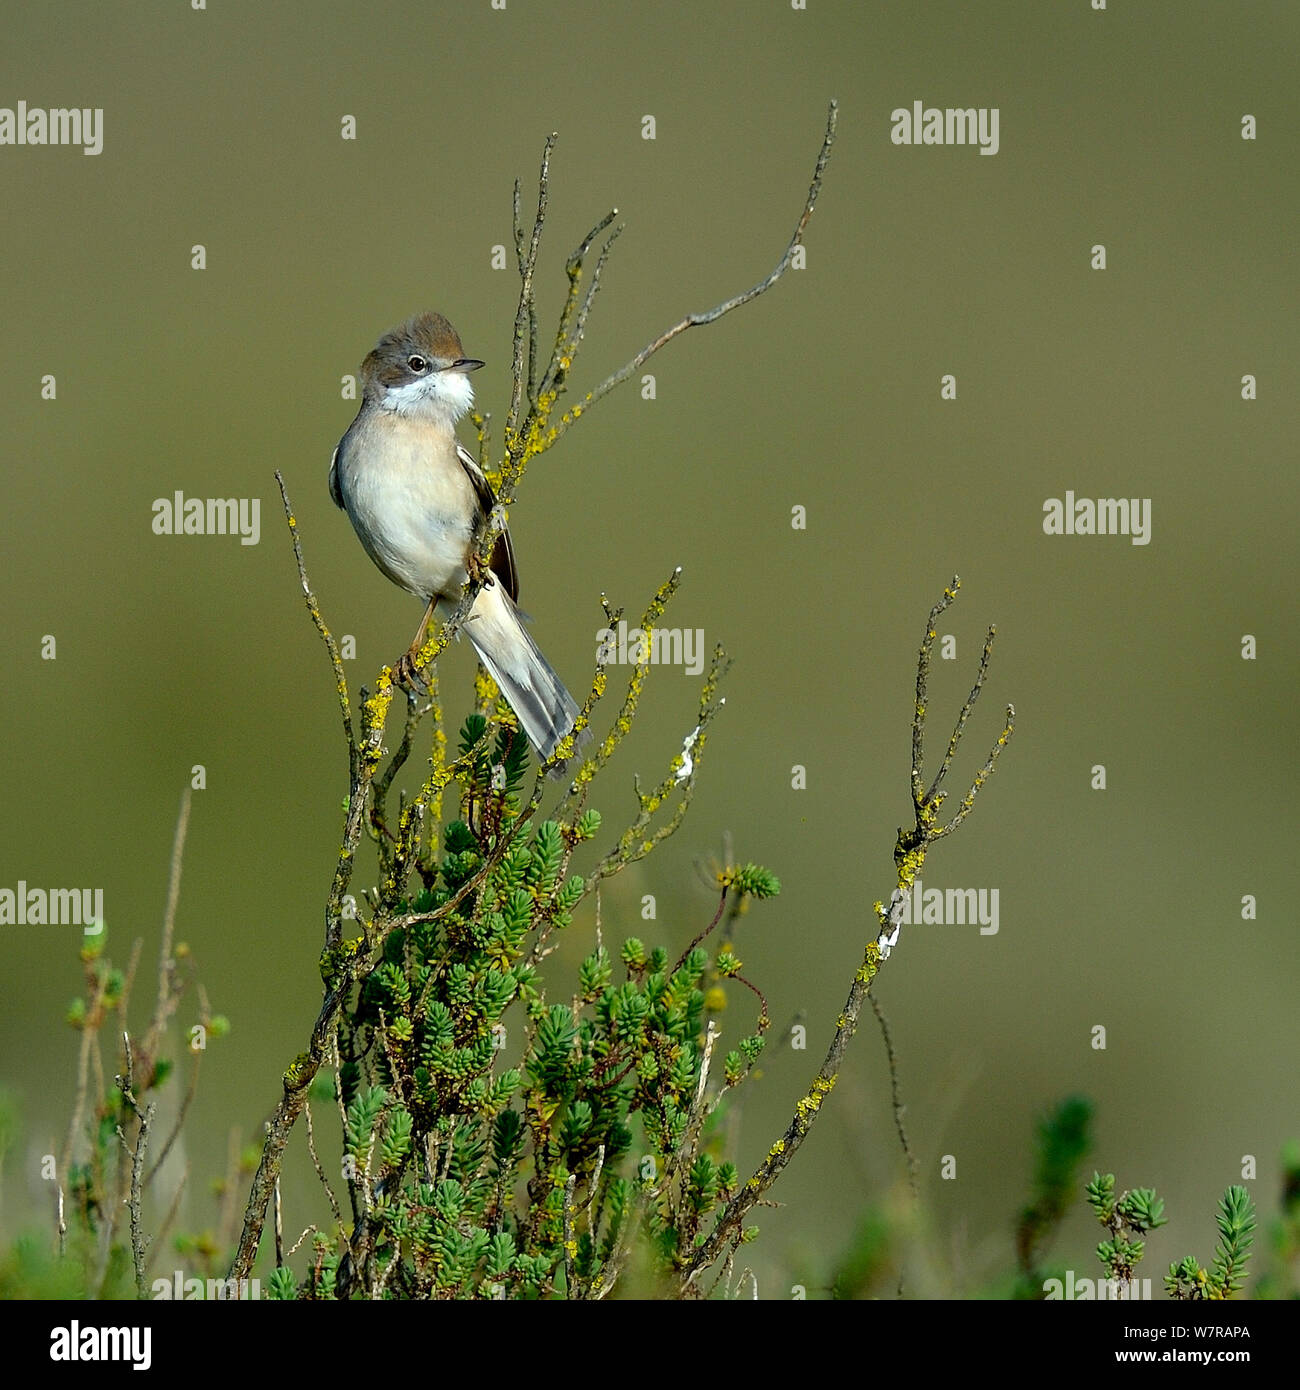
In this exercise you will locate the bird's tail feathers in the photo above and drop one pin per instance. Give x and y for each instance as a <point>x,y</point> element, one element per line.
<point>528,681</point>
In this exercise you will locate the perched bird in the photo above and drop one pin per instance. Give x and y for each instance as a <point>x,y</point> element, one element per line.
<point>417,500</point>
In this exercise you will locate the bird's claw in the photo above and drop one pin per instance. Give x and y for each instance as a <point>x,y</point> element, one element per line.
<point>407,674</point>
<point>481,575</point>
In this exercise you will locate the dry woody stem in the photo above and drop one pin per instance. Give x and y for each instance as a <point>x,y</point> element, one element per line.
<point>909,856</point>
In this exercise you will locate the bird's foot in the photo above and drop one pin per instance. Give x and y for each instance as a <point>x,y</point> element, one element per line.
<point>407,674</point>
<point>481,574</point>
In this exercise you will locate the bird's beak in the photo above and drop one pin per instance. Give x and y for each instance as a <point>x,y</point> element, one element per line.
<point>465,364</point>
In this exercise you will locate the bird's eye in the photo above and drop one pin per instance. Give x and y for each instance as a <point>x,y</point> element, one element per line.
<point>417,363</point>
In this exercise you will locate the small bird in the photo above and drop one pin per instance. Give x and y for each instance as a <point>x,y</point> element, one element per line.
<point>417,500</point>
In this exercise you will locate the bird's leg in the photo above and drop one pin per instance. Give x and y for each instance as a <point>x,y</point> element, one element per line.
<point>406,673</point>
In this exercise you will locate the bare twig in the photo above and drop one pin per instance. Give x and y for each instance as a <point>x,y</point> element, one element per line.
<point>713,315</point>
<point>293,1249</point>
<point>138,1241</point>
<point>699,1111</point>
<point>909,856</point>
<point>729,1223</point>
<point>169,1220</point>
<point>912,845</point>
<point>279,1224</point>
<point>191,1090</point>
<point>89,1035</point>
<point>136,1155</point>
<point>565,349</point>
<point>896,1095</point>
<point>165,1003</point>
<point>530,432</point>
<point>717,917</point>
<point>313,607</point>
<point>320,1172</point>
<point>526,314</point>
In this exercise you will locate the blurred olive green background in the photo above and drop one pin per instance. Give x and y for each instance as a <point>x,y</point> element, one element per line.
<point>1119,908</point>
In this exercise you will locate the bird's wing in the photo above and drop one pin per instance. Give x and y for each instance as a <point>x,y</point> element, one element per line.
<point>335,492</point>
<point>503,554</point>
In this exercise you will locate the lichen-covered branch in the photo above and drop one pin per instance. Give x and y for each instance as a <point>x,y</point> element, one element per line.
<point>531,429</point>
<point>712,315</point>
<point>909,856</point>
<point>336,661</point>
